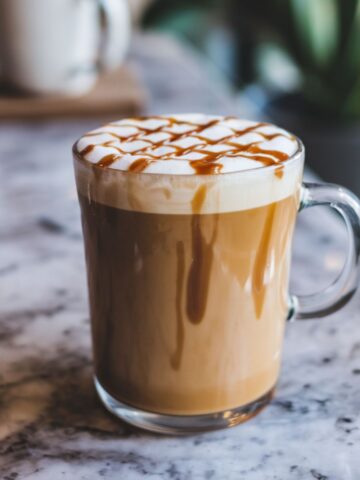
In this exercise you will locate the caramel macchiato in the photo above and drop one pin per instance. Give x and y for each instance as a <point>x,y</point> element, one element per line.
<point>188,221</point>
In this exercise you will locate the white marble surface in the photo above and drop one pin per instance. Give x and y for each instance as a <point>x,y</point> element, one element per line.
<point>51,424</point>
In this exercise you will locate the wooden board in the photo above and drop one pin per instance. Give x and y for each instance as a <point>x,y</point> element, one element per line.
<point>116,94</point>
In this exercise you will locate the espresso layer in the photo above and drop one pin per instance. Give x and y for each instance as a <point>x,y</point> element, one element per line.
<point>188,311</point>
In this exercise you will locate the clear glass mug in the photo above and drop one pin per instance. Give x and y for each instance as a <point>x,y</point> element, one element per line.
<point>188,309</point>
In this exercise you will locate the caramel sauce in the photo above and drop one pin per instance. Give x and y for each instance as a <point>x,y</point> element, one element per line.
<point>108,160</point>
<point>244,131</point>
<point>198,199</point>
<point>175,359</point>
<point>139,165</point>
<point>279,172</point>
<point>266,161</point>
<point>198,280</point>
<point>262,262</point>
<point>270,136</point>
<point>167,193</point>
<point>87,150</point>
<point>281,156</point>
<point>201,260</point>
<point>208,141</point>
<point>205,166</point>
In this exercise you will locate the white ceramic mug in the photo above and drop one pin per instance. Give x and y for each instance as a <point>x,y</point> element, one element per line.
<point>59,46</point>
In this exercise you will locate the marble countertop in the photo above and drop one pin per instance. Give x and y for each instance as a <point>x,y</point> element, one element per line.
<point>51,424</point>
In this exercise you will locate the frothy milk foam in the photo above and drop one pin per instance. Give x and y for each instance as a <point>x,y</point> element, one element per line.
<point>174,152</point>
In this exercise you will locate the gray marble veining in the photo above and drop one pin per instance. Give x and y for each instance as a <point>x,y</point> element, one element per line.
<point>51,424</point>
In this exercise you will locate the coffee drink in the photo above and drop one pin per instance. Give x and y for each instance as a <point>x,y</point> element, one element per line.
<point>59,46</point>
<point>188,222</point>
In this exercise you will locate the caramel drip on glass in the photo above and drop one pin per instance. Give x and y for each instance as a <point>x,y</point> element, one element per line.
<point>175,359</point>
<point>204,166</point>
<point>279,172</point>
<point>198,199</point>
<point>201,260</point>
<point>262,261</point>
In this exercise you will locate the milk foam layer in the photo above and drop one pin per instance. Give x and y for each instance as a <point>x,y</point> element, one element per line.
<point>173,144</point>
<point>169,184</point>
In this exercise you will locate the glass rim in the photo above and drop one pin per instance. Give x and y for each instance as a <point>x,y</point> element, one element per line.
<point>296,156</point>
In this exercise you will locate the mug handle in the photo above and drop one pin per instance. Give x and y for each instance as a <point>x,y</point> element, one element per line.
<point>343,288</point>
<point>115,31</point>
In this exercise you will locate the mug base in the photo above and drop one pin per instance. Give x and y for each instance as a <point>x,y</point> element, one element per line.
<point>181,424</point>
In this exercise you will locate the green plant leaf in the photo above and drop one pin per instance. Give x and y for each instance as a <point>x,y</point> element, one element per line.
<point>351,60</point>
<point>315,22</point>
<point>346,11</point>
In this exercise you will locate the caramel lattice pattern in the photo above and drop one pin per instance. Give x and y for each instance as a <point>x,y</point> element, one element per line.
<point>208,163</point>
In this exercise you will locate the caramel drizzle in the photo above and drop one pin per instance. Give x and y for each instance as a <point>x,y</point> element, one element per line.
<point>262,261</point>
<point>198,280</point>
<point>204,165</point>
<point>139,165</point>
<point>176,357</point>
<point>108,160</point>
<point>87,149</point>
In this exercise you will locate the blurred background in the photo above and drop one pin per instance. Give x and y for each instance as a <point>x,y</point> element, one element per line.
<point>292,62</point>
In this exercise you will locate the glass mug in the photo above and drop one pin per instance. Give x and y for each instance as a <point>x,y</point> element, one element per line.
<point>188,305</point>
